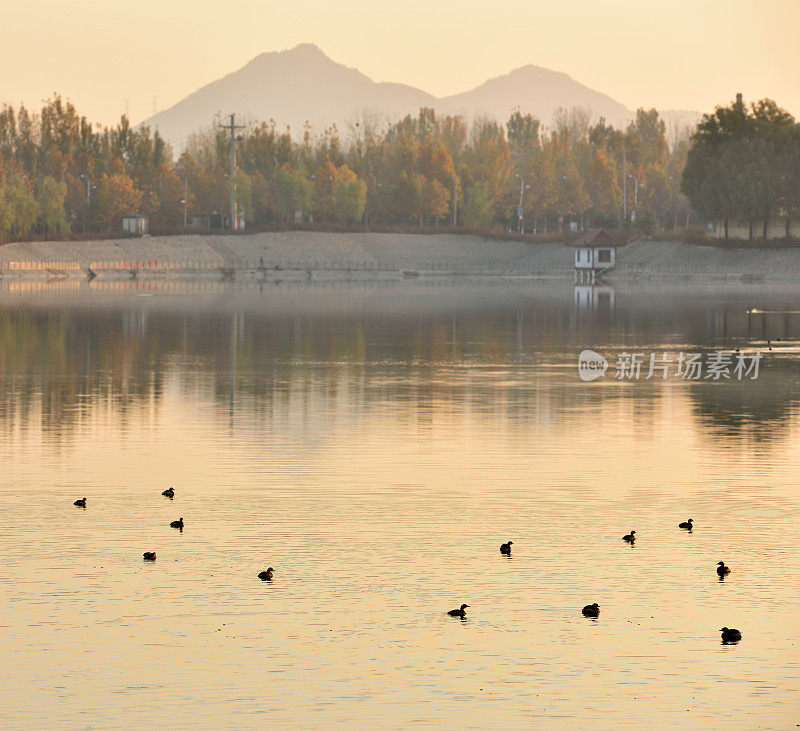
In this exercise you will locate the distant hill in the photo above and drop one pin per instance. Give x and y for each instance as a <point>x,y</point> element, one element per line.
<point>292,87</point>
<point>537,91</point>
<point>302,85</point>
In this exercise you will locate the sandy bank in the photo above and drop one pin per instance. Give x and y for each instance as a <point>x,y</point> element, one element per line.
<point>322,255</point>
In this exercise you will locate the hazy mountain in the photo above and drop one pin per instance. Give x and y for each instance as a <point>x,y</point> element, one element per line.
<point>537,91</point>
<point>304,85</point>
<point>292,87</point>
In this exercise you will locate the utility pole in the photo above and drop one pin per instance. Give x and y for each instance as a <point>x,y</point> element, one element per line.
<point>624,189</point>
<point>455,201</point>
<point>232,127</point>
<point>625,185</point>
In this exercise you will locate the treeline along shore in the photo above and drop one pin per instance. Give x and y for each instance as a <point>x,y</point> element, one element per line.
<point>62,176</point>
<point>306,255</point>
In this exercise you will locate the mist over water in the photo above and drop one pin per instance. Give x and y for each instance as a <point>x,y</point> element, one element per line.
<point>376,445</point>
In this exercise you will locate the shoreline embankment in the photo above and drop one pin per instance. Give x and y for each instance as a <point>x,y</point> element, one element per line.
<point>325,256</point>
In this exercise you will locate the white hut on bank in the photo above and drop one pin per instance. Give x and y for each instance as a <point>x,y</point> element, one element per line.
<point>595,253</point>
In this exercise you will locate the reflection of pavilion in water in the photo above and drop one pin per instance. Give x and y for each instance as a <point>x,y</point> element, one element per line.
<point>594,298</point>
<point>266,363</point>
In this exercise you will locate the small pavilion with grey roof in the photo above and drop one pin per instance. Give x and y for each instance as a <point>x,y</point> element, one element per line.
<point>595,253</point>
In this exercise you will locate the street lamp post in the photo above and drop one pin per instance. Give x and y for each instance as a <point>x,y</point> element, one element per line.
<point>625,185</point>
<point>311,214</point>
<point>635,196</point>
<point>520,210</point>
<point>89,189</point>
<point>185,201</point>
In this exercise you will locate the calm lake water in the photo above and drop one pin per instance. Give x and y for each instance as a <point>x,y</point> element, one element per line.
<point>375,445</point>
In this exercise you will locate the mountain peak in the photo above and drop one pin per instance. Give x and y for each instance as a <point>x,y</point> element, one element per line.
<point>306,50</point>
<point>535,90</point>
<point>302,85</point>
<point>530,69</point>
<point>303,53</point>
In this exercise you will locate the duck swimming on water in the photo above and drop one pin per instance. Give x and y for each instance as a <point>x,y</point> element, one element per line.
<point>149,555</point>
<point>630,538</point>
<point>459,612</point>
<point>177,524</point>
<point>266,575</point>
<point>687,525</point>
<point>505,548</point>
<point>730,635</point>
<point>591,610</point>
<point>722,569</point>
<point>80,503</point>
<point>169,492</point>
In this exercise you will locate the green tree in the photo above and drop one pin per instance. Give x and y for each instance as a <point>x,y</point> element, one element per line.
<point>479,205</point>
<point>736,166</point>
<point>6,219</point>
<point>294,192</point>
<point>407,197</point>
<point>489,160</point>
<point>601,183</point>
<point>52,215</point>
<point>324,208</point>
<point>21,207</point>
<point>265,199</point>
<point>523,139</point>
<point>790,175</point>
<point>349,195</point>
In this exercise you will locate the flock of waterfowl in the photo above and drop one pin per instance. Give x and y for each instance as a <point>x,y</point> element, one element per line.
<point>729,636</point>
<point>178,524</point>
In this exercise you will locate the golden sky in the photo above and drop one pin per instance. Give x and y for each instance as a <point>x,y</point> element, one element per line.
<point>672,54</point>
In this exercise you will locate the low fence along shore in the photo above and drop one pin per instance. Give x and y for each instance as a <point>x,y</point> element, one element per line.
<point>355,257</point>
<point>124,269</point>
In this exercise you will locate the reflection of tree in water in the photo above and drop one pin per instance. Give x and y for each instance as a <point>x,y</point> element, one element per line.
<point>507,359</point>
<point>57,363</point>
<point>377,357</point>
<point>753,410</point>
<point>54,364</point>
<point>711,319</point>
